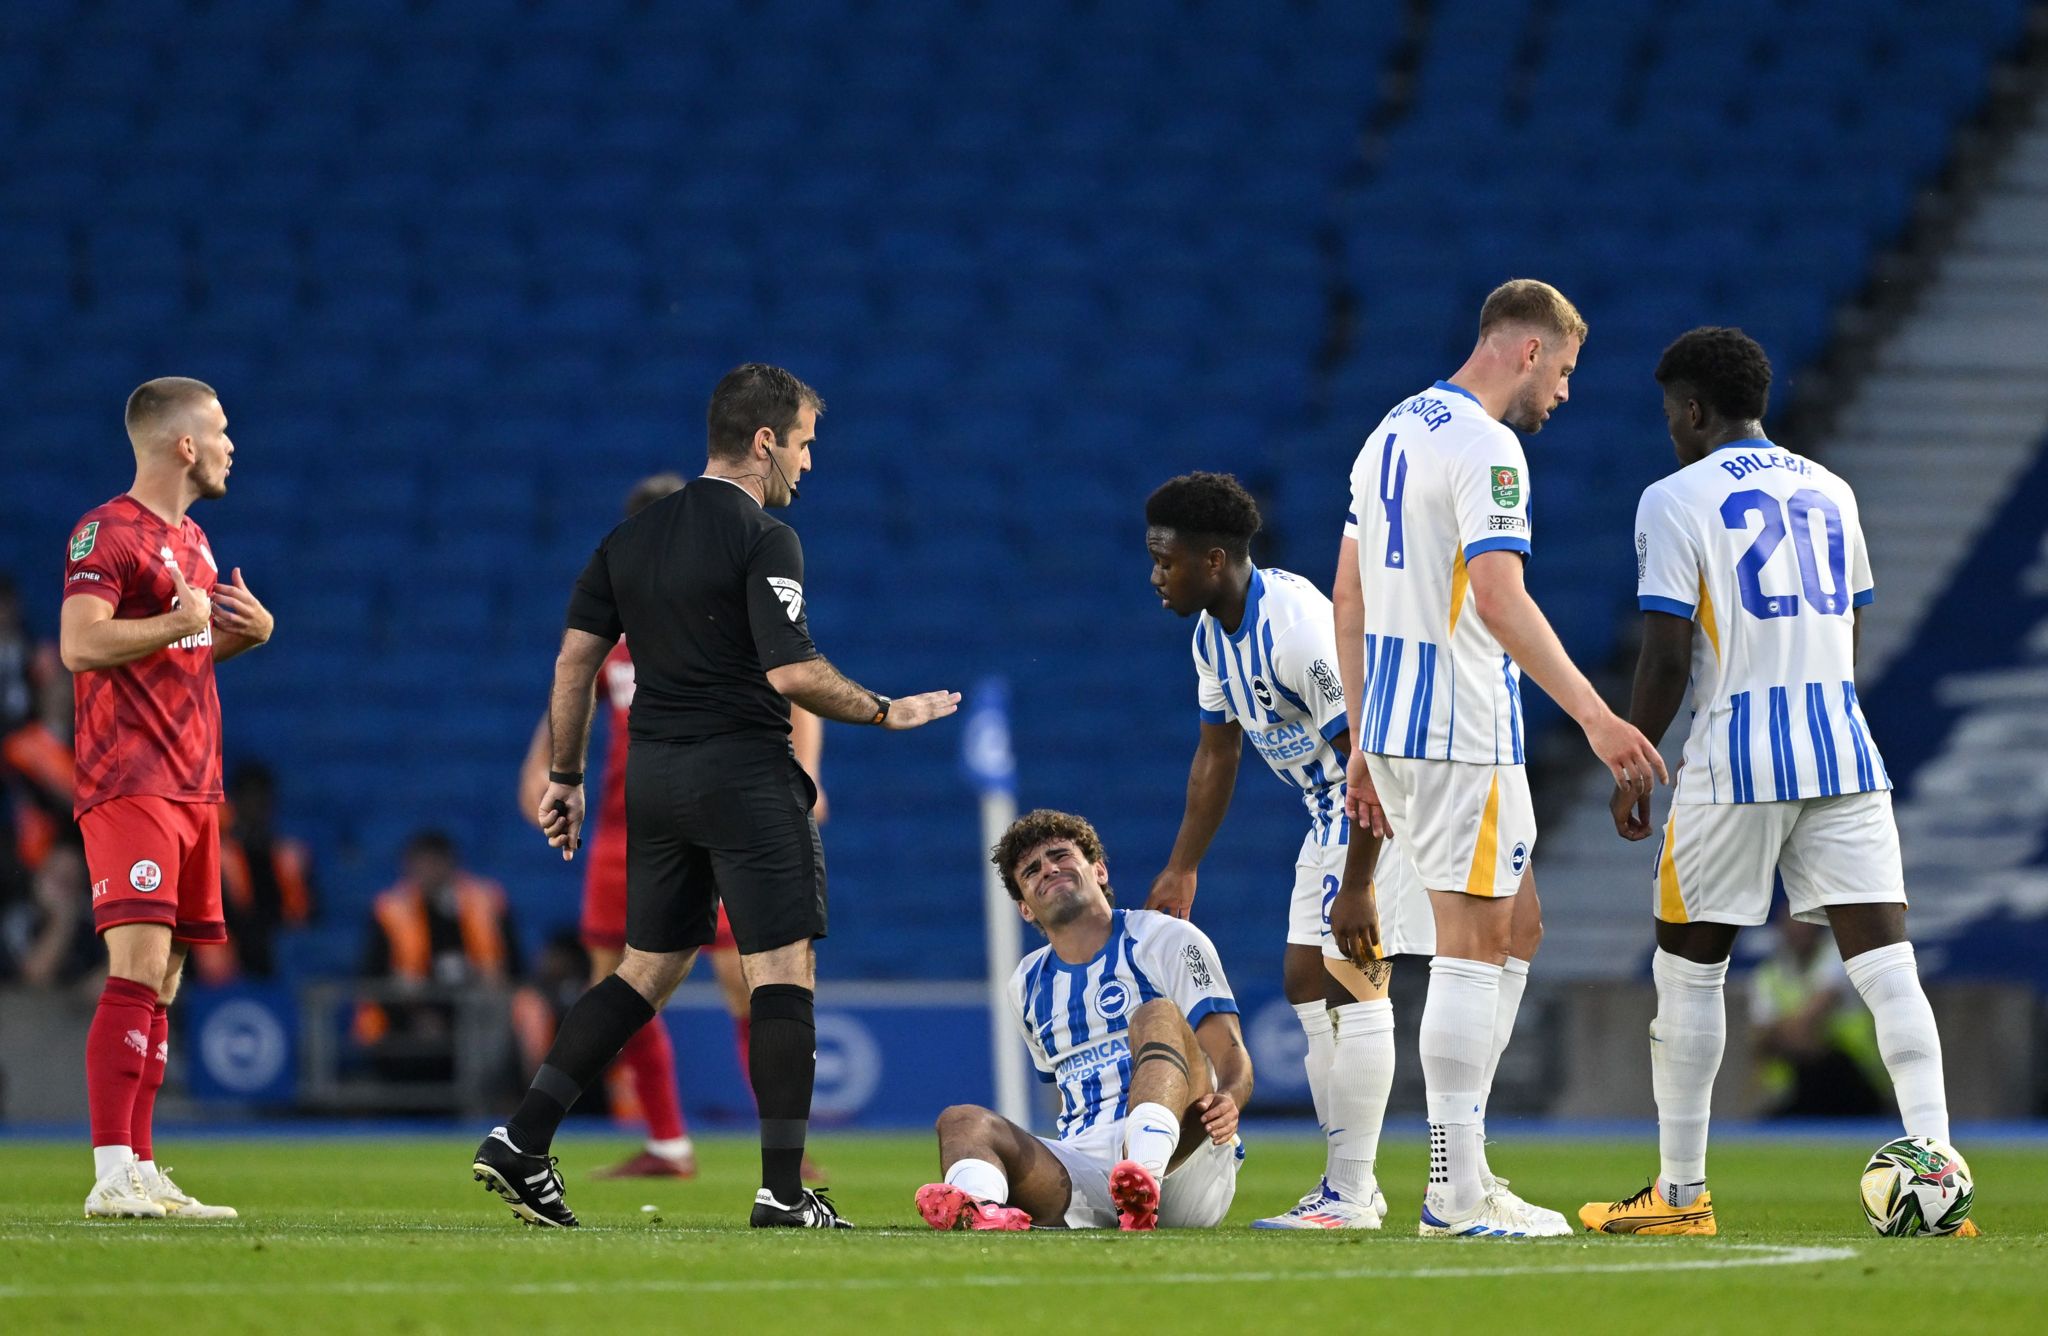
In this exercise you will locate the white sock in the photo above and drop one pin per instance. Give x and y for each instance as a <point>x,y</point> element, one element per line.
<point>673,1149</point>
<point>980,1179</point>
<point>106,1159</point>
<point>1359,1084</point>
<point>148,1168</point>
<point>1456,1039</point>
<point>1514,980</point>
<point>1322,1049</point>
<point>1889,980</point>
<point>1150,1134</point>
<point>1686,1040</point>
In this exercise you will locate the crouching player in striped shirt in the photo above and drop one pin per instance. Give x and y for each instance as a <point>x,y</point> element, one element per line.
<point>1129,1012</point>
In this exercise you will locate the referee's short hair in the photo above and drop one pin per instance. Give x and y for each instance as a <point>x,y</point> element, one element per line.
<point>1206,510</point>
<point>1043,826</point>
<point>749,398</point>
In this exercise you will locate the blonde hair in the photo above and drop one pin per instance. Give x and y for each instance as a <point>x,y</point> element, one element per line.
<point>1531,301</point>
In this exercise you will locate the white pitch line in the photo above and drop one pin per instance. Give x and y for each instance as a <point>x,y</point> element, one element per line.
<point>1753,1255</point>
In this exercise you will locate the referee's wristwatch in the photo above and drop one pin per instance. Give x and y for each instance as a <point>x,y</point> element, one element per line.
<point>881,708</point>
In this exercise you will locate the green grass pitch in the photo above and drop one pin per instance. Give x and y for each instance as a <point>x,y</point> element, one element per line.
<point>392,1236</point>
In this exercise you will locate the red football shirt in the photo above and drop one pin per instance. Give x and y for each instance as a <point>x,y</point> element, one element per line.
<point>151,727</point>
<point>617,676</point>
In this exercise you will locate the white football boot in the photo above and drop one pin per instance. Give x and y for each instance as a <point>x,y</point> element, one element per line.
<point>1325,1209</point>
<point>1496,1218</point>
<point>179,1204</point>
<point>1546,1223</point>
<point>122,1195</point>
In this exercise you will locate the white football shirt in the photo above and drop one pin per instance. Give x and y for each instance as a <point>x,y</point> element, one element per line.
<point>1277,679</point>
<point>1075,1017</point>
<point>1764,549</point>
<point>1439,482</point>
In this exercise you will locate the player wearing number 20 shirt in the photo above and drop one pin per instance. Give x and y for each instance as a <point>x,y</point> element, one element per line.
<point>1762,549</point>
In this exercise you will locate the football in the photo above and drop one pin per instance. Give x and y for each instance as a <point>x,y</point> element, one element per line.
<point>1916,1185</point>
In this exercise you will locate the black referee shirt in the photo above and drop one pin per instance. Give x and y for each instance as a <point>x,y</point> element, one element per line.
<point>708,589</point>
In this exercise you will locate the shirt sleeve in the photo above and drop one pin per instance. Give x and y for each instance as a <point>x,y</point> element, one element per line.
<point>1015,993</point>
<point>1355,505</point>
<point>592,607</point>
<point>1305,669</point>
<point>1863,589</point>
<point>1182,960</point>
<point>1211,702</point>
<point>775,599</point>
<point>1490,489</point>
<point>98,562</point>
<point>1667,568</point>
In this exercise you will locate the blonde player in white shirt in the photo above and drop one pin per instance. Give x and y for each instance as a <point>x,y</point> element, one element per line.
<point>1752,572</point>
<point>1265,667</point>
<point>1434,627</point>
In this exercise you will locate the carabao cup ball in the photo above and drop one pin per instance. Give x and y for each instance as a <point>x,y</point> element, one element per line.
<point>1916,1185</point>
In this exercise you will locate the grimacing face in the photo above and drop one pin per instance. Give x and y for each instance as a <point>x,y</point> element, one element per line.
<point>1058,883</point>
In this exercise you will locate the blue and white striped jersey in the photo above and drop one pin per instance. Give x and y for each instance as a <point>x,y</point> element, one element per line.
<point>1075,1016</point>
<point>1764,549</point>
<point>1440,481</point>
<point>1277,678</point>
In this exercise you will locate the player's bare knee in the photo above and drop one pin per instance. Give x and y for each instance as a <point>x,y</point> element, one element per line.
<point>1161,1022</point>
<point>655,974</point>
<point>964,1123</point>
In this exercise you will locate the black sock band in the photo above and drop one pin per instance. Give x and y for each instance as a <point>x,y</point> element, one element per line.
<point>782,1056</point>
<point>592,1034</point>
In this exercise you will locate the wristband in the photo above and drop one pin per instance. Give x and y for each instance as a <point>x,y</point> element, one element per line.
<point>881,708</point>
<point>567,778</point>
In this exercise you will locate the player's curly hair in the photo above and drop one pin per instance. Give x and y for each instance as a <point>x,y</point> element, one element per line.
<point>1038,827</point>
<point>1206,510</point>
<point>1723,368</point>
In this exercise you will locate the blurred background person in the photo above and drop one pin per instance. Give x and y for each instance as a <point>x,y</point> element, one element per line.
<point>436,929</point>
<point>266,881</point>
<point>46,939</point>
<point>1816,1046</point>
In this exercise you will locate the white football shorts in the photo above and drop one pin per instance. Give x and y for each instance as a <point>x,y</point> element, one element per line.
<point>1468,828</point>
<point>1717,859</point>
<point>1196,1194</point>
<point>1407,924</point>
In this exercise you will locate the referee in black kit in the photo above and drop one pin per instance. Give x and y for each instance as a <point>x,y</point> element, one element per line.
<point>709,588</point>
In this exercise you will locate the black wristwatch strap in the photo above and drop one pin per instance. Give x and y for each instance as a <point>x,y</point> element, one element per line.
<point>881,709</point>
<point>567,778</point>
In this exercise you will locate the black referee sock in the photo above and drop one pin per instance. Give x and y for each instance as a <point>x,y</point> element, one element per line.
<point>783,1059</point>
<point>592,1034</point>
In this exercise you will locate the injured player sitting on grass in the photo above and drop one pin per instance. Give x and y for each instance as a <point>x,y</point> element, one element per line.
<point>1129,1013</point>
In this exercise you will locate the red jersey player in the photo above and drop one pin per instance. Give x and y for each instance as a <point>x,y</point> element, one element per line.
<point>647,1062</point>
<point>145,620</point>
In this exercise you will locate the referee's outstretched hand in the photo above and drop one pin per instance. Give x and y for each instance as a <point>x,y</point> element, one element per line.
<point>917,711</point>
<point>561,818</point>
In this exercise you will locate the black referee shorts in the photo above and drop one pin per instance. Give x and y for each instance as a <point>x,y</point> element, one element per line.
<point>725,819</point>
